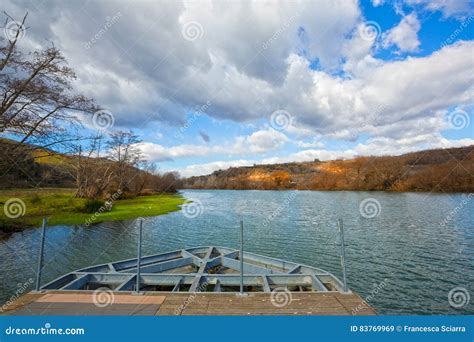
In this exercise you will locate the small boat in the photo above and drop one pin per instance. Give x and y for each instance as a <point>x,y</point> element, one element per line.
<point>194,281</point>
<point>200,269</point>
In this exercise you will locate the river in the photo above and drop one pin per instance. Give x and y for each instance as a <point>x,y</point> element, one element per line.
<point>405,251</point>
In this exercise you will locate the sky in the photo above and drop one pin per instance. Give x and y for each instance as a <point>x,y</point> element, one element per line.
<point>212,84</point>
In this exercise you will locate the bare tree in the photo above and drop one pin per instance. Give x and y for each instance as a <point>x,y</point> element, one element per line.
<point>169,182</point>
<point>145,179</point>
<point>92,173</point>
<point>36,92</point>
<point>124,151</point>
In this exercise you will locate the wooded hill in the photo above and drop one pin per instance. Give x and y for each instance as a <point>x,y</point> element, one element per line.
<point>440,170</point>
<point>30,166</point>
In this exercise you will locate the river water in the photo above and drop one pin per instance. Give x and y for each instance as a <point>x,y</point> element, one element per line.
<point>405,251</point>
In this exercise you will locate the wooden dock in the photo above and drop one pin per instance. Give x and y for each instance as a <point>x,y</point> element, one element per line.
<point>156,304</point>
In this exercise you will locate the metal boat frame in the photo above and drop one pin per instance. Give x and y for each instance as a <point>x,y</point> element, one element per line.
<point>199,269</point>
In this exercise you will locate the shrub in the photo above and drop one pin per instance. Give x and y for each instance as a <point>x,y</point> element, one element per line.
<point>93,205</point>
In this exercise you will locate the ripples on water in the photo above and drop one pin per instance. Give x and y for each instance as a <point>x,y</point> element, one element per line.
<point>404,252</point>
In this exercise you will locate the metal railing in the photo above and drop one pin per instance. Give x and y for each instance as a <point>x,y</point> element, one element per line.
<point>139,257</point>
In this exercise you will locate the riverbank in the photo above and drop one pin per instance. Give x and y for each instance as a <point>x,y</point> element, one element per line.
<point>24,208</point>
<point>424,171</point>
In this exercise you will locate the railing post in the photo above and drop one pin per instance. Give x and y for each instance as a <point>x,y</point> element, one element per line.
<point>343,253</point>
<point>241,258</point>
<point>40,257</point>
<point>139,255</point>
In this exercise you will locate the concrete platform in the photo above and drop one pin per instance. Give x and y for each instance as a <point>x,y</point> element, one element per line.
<point>150,304</point>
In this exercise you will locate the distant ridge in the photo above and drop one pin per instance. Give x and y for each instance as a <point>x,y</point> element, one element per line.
<point>438,170</point>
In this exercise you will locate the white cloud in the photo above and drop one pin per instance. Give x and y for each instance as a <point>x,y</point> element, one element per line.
<point>251,59</point>
<point>145,67</point>
<point>405,34</point>
<point>142,82</point>
<point>258,142</point>
<point>387,146</point>
<point>377,3</point>
<point>314,143</point>
<point>398,93</point>
<point>456,8</point>
<point>156,152</point>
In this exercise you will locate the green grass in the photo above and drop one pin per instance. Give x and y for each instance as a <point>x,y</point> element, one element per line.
<point>61,207</point>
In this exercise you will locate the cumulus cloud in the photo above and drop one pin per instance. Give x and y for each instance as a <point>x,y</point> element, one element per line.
<point>117,64</point>
<point>405,34</point>
<point>396,93</point>
<point>259,142</point>
<point>251,58</point>
<point>314,143</point>
<point>142,82</point>
<point>456,8</point>
<point>387,146</point>
<point>157,152</point>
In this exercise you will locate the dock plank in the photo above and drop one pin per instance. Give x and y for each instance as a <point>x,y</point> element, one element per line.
<point>169,304</point>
